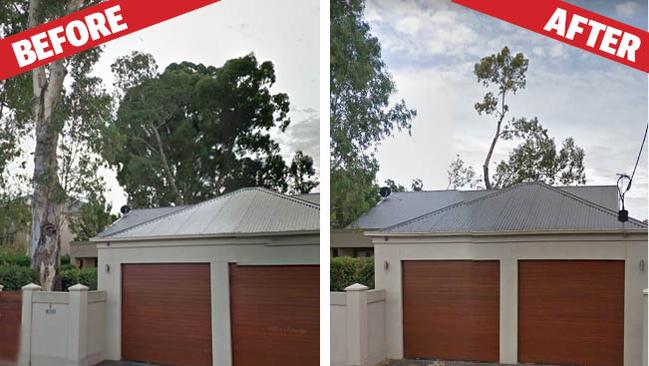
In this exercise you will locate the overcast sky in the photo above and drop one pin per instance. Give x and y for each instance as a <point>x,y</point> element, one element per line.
<point>285,32</point>
<point>430,47</point>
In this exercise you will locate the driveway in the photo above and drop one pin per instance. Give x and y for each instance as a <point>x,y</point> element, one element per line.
<point>443,363</point>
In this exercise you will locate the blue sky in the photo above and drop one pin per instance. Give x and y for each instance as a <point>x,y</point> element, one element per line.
<point>430,48</point>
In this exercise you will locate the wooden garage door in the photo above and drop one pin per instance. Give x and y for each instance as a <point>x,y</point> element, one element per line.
<point>571,312</point>
<point>166,314</point>
<point>275,315</point>
<point>451,310</point>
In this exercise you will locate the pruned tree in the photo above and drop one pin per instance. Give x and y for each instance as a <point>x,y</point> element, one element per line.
<point>505,74</point>
<point>417,185</point>
<point>460,175</point>
<point>361,112</point>
<point>194,132</point>
<point>42,102</point>
<point>536,158</point>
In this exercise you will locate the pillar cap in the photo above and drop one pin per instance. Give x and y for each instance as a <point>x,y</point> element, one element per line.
<point>78,287</point>
<point>357,287</point>
<point>31,287</point>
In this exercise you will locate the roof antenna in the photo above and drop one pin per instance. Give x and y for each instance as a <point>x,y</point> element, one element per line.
<point>623,187</point>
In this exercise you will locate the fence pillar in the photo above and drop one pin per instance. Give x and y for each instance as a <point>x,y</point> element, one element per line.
<point>645,325</point>
<point>1,287</point>
<point>78,323</point>
<point>357,342</point>
<point>25,357</point>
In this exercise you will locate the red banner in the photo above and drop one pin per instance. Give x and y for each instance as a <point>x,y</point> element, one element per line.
<point>85,29</point>
<point>572,25</point>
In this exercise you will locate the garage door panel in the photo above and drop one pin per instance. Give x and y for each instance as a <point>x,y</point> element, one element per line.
<point>275,315</point>
<point>166,313</point>
<point>451,309</point>
<point>571,312</point>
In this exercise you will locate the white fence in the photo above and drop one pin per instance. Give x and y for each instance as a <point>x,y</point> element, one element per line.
<point>62,328</point>
<point>357,327</point>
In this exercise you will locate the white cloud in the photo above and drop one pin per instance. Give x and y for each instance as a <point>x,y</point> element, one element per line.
<point>409,25</point>
<point>627,9</point>
<point>558,51</point>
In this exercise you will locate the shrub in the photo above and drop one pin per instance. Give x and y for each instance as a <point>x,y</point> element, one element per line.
<point>84,276</point>
<point>14,256</point>
<point>346,271</point>
<point>14,277</point>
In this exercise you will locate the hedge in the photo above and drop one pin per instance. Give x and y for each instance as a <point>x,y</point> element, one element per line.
<point>14,256</point>
<point>346,271</point>
<point>14,277</point>
<point>84,276</point>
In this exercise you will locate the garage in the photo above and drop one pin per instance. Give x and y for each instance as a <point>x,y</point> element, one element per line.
<point>529,274</point>
<point>571,312</point>
<point>157,298</point>
<point>451,310</point>
<point>230,281</point>
<point>278,324</point>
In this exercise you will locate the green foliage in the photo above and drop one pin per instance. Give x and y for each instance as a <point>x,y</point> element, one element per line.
<point>417,185</point>
<point>300,174</point>
<point>84,276</point>
<point>193,131</point>
<point>536,158</point>
<point>361,112</point>
<point>15,268</point>
<point>394,186</point>
<point>505,73</point>
<point>13,277</point>
<point>15,217</point>
<point>461,175</point>
<point>13,256</point>
<point>346,271</point>
<point>94,216</point>
<point>66,263</point>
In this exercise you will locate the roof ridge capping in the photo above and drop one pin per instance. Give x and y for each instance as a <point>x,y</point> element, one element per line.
<point>510,188</point>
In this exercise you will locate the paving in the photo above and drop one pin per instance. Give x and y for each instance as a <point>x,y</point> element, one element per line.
<point>445,363</point>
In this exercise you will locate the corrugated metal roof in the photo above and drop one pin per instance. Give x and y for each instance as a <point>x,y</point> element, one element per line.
<point>402,206</point>
<point>245,211</point>
<point>137,217</point>
<point>522,207</point>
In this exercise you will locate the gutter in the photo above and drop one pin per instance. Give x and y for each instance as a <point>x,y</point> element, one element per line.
<point>204,236</point>
<point>504,232</point>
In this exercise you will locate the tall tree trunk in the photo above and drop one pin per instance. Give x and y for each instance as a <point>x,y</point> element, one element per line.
<point>485,166</point>
<point>49,197</point>
<point>167,168</point>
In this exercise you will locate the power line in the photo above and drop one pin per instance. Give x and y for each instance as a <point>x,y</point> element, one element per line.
<point>639,155</point>
<point>623,214</point>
